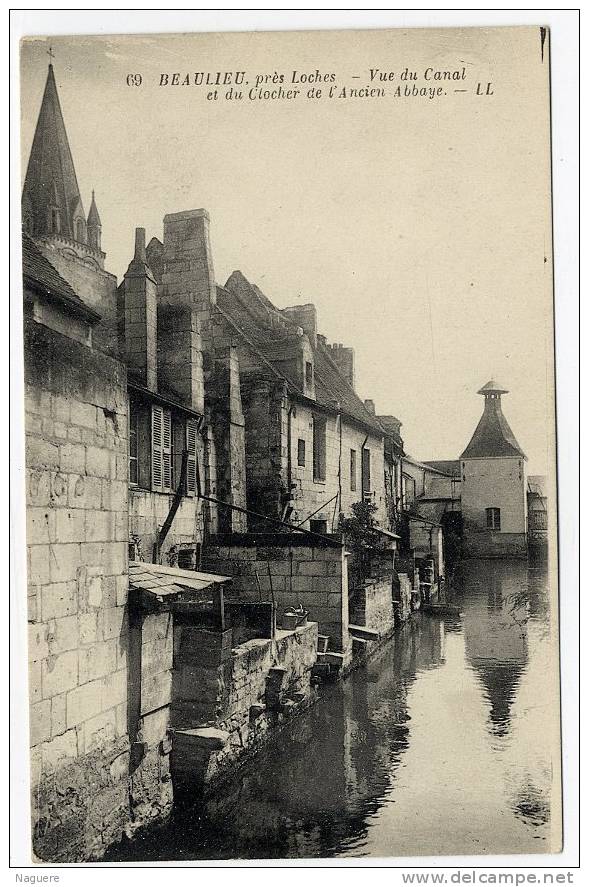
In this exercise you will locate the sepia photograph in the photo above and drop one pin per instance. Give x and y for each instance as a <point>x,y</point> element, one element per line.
<point>290,445</point>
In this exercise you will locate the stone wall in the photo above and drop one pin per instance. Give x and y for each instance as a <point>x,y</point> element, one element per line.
<point>373,606</point>
<point>265,407</point>
<point>294,569</point>
<point>147,513</point>
<point>77,542</point>
<point>487,543</point>
<point>76,464</point>
<point>494,483</point>
<point>227,702</point>
<point>97,286</point>
<point>310,494</point>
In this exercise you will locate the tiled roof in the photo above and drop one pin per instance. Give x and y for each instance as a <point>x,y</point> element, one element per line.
<point>40,275</point>
<point>266,329</point>
<point>331,385</point>
<point>446,466</point>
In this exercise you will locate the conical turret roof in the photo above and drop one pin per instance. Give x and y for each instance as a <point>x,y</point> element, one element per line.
<point>51,176</point>
<point>492,436</point>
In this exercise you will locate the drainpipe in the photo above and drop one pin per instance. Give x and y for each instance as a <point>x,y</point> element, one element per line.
<point>339,474</point>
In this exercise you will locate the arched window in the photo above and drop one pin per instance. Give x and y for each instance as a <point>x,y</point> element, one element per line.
<point>81,231</point>
<point>493,518</point>
<point>55,225</point>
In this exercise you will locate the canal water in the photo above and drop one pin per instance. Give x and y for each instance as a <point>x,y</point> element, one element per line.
<point>440,745</point>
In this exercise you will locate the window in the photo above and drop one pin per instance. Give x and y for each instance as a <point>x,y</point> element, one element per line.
<point>161,449</point>
<point>81,231</point>
<point>55,226</point>
<point>493,518</point>
<point>133,444</point>
<point>191,467</point>
<point>353,470</point>
<point>308,372</point>
<point>318,448</point>
<point>301,453</point>
<point>365,470</point>
<point>187,559</point>
<point>318,526</point>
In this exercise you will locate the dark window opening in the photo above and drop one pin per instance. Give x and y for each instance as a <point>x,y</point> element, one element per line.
<point>301,453</point>
<point>493,518</point>
<point>353,470</point>
<point>318,526</point>
<point>187,559</point>
<point>308,372</point>
<point>319,448</point>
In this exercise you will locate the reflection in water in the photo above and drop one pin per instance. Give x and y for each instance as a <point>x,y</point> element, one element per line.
<point>496,633</point>
<point>434,747</point>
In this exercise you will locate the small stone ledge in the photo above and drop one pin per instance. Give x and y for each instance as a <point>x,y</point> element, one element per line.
<point>202,737</point>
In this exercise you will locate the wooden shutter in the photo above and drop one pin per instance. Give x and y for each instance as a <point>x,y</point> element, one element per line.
<point>366,470</point>
<point>157,440</point>
<point>191,464</point>
<point>167,450</point>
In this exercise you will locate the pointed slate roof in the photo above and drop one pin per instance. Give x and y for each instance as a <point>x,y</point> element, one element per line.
<point>93,217</point>
<point>492,436</point>
<point>51,176</point>
<point>271,334</point>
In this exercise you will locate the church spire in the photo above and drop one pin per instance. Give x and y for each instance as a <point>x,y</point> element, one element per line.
<point>51,198</point>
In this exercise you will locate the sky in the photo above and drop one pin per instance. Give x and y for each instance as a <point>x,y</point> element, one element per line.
<point>420,228</point>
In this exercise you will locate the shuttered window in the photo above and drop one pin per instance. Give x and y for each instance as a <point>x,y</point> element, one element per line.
<point>319,448</point>
<point>366,470</point>
<point>133,444</point>
<point>191,464</point>
<point>161,449</point>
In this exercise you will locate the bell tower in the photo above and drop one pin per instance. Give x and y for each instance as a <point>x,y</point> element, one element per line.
<point>54,217</point>
<point>493,488</point>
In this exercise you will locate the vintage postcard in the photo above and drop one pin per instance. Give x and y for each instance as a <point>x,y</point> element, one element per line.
<point>290,445</point>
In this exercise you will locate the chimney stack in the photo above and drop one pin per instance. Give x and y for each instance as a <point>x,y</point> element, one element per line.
<point>187,298</point>
<point>344,360</point>
<point>140,309</point>
<point>304,316</point>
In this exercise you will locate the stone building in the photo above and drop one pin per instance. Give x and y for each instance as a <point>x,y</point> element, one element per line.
<point>77,463</point>
<point>166,417</point>
<point>494,485</point>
